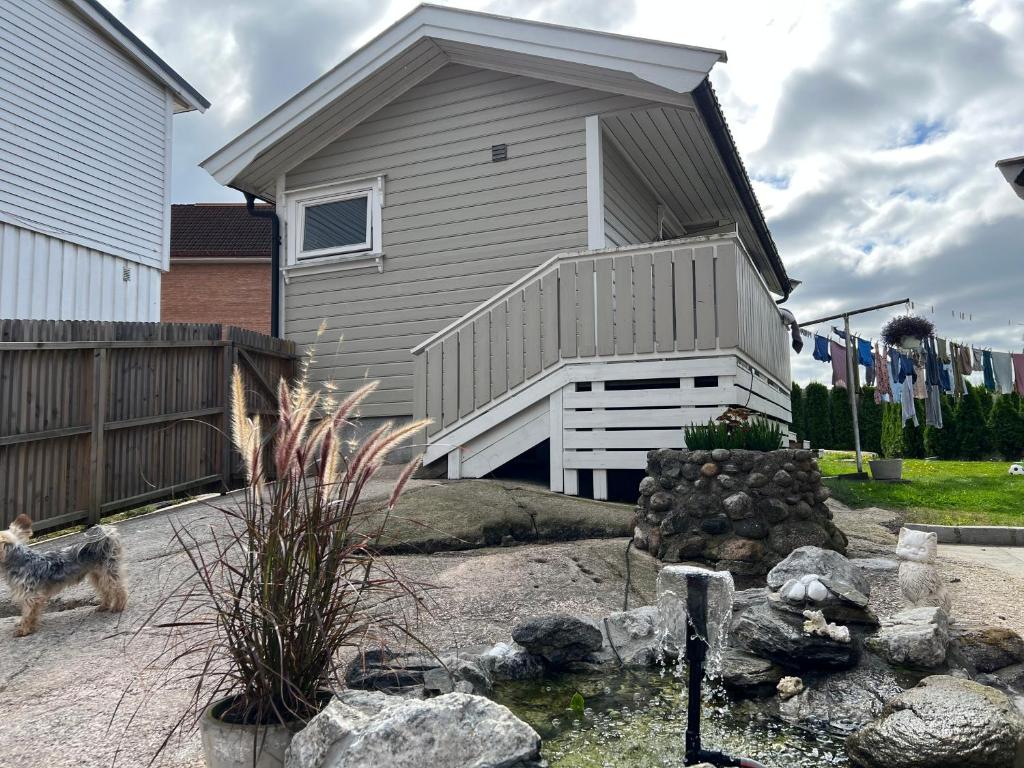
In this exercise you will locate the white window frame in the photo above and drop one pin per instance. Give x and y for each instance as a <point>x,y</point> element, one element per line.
<point>300,199</point>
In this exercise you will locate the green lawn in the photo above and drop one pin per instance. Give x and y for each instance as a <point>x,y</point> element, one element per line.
<point>940,492</point>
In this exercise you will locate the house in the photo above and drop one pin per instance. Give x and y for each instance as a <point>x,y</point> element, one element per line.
<point>533,235</point>
<point>86,113</point>
<point>1012,169</point>
<point>220,267</point>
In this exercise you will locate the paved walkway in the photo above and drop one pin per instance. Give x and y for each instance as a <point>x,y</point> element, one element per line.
<point>1010,560</point>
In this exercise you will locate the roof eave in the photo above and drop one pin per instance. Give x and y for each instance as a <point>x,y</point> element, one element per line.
<point>674,67</point>
<point>187,98</point>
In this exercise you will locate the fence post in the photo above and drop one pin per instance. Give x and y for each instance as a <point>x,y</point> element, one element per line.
<point>97,460</point>
<point>227,453</point>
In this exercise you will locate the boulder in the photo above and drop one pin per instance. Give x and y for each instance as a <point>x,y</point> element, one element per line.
<point>917,637</point>
<point>457,675</point>
<point>780,636</point>
<point>384,670</point>
<point>989,649</point>
<point>630,637</point>
<point>362,728</point>
<point>559,639</point>
<point>823,562</point>
<point>843,702</point>
<point>745,673</point>
<point>509,661</point>
<point>945,722</point>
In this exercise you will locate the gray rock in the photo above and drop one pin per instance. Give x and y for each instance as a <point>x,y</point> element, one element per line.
<point>716,524</point>
<point>509,661</point>
<point>648,486</point>
<point>751,528</point>
<point>749,674</point>
<point>989,649</point>
<point>779,636</point>
<point>743,599</point>
<point>559,639</point>
<point>720,454</point>
<point>782,477</point>
<point>843,702</point>
<point>824,562</point>
<point>738,505</point>
<point>945,722</point>
<point>455,672</point>
<point>918,638</point>
<point>630,637</point>
<point>756,480</point>
<point>382,670</point>
<point>875,564</point>
<point>360,728</point>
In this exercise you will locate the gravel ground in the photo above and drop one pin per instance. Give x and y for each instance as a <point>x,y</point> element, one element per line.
<point>59,687</point>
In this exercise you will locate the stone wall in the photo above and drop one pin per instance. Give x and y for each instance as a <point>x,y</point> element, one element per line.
<point>744,511</point>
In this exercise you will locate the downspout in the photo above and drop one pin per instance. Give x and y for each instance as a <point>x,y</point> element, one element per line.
<point>275,260</point>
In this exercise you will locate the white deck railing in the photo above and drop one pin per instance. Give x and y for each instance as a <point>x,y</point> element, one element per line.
<point>657,299</point>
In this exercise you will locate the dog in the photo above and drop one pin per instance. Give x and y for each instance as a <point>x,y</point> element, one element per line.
<point>35,577</point>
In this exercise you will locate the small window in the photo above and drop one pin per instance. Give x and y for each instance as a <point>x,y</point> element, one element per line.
<point>340,221</point>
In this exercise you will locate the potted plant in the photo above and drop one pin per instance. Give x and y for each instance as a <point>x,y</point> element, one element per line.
<point>890,465</point>
<point>907,331</point>
<point>289,578</point>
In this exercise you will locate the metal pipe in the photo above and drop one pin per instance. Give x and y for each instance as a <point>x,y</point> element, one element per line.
<point>275,260</point>
<point>852,390</point>
<point>860,311</point>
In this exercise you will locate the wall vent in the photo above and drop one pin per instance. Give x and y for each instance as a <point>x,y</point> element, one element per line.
<point>499,152</point>
<point>126,274</point>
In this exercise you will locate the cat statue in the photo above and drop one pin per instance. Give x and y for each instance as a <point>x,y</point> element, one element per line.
<point>919,576</point>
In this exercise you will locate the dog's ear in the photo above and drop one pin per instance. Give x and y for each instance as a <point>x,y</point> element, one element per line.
<point>22,527</point>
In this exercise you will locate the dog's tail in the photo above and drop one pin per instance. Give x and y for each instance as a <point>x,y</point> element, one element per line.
<point>102,547</point>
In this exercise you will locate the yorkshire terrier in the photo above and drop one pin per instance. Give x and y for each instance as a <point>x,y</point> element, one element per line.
<point>35,577</point>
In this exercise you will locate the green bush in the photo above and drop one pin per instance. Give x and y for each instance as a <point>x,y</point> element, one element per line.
<point>842,420</point>
<point>913,437</point>
<point>816,415</point>
<point>796,404</point>
<point>1006,429</point>
<point>943,443</point>
<point>869,416</point>
<point>971,426</point>
<point>892,431</point>
<point>987,402</point>
<point>755,435</point>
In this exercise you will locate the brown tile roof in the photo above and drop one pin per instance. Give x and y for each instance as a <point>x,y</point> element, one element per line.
<point>218,230</point>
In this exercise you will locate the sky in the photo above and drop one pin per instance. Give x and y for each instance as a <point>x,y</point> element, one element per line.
<point>870,128</point>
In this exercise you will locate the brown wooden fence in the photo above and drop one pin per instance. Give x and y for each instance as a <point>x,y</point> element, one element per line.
<point>101,416</point>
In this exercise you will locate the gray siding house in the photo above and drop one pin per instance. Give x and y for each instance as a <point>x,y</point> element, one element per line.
<point>527,233</point>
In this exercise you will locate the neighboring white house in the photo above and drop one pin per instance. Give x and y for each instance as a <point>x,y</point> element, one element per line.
<point>86,112</point>
<point>1013,171</point>
<point>530,234</point>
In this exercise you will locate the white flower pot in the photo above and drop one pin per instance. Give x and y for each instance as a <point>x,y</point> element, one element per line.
<point>911,342</point>
<point>229,745</point>
<point>886,469</point>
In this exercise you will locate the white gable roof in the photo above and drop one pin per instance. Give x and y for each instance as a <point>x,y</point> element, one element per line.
<point>421,43</point>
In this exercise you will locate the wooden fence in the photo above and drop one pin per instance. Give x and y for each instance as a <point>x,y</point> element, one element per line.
<point>101,416</point>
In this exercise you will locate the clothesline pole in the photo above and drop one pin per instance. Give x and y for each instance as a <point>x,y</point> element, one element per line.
<point>851,390</point>
<point>849,314</point>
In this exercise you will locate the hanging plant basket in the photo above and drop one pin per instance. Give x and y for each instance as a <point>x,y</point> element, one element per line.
<point>907,331</point>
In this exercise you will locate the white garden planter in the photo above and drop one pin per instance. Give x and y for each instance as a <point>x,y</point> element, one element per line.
<point>911,342</point>
<point>886,469</point>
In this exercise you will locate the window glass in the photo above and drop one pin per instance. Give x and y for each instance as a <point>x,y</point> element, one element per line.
<point>336,224</point>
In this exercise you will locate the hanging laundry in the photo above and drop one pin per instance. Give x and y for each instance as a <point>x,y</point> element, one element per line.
<point>894,375</point>
<point>941,348</point>
<point>867,359</point>
<point>946,377</point>
<point>990,379</point>
<point>837,354</point>
<point>964,365</point>
<point>821,349</point>
<point>933,404</point>
<point>1018,371</point>
<point>907,401</point>
<point>920,392</point>
<point>956,364</point>
<point>1002,367</point>
<point>906,369</point>
<point>978,357</point>
<point>883,387</point>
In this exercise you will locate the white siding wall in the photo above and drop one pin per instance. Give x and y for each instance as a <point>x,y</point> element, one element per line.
<point>84,135</point>
<point>630,208</point>
<point>45,278</point>
<point>457,228</point>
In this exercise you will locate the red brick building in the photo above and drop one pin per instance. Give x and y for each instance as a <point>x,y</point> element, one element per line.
<point>220,267</point>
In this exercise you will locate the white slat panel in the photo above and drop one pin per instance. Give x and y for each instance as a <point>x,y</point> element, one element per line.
<point>646,439</point>
<point>605,460</point>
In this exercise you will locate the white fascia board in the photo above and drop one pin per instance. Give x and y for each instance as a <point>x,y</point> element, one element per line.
<point>186,97</point>
<point>678,68</point>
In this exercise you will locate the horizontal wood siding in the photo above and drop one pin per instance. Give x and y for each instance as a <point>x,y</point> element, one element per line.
<point>630,208</point>
<point>84,134</point>
<point>47,278</point>
<point>457,227</point>
<point>105,416</point>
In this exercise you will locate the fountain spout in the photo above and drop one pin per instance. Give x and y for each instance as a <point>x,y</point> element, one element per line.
<point>694,610</point>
